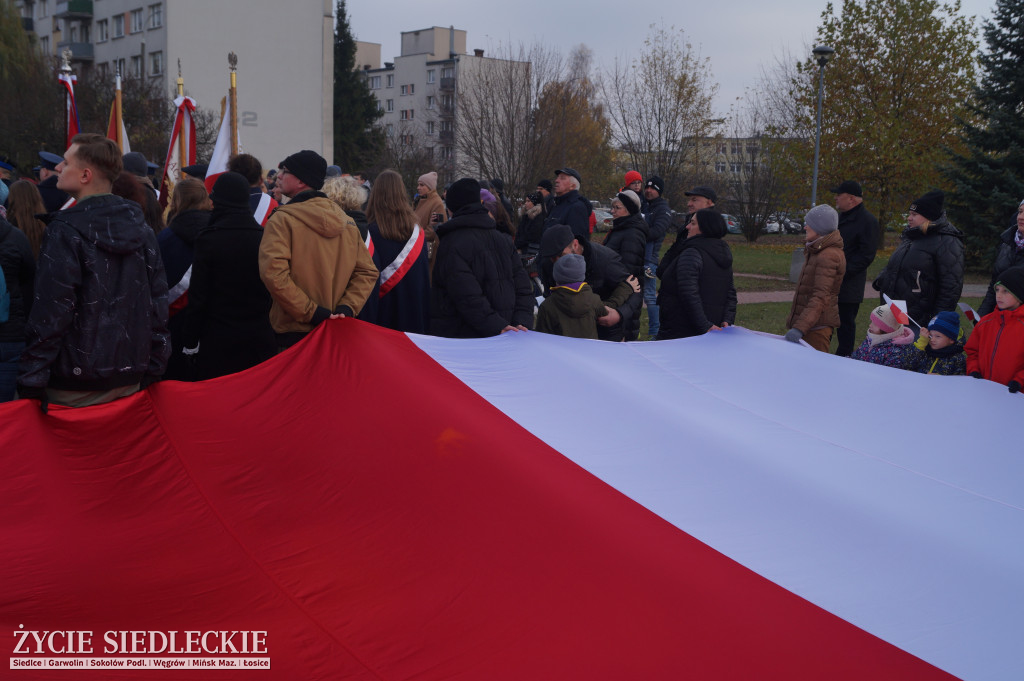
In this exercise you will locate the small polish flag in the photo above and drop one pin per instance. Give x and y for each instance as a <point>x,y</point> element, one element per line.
<point>899,310</point>
<point>970,312</point>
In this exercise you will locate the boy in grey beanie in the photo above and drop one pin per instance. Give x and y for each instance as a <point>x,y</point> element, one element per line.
<point>572,308</point>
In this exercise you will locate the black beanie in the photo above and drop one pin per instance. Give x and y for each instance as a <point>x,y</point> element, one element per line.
<point>929,205</point>
<point>462,193</point>
<point>1013,280</point>
<point>711,223</point>
<point>309,166</point>
<point>231,190</point>
<point>630,201</point>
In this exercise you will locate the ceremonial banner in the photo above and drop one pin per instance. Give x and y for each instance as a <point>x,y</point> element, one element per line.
<point>374,505</point>
<point>71,124</point>
<point>115,124</point>
<point>183,135</point>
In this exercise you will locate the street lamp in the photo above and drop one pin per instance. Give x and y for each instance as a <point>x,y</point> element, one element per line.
<point>823,53</point>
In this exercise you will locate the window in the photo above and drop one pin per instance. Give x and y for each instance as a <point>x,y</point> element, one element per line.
<point>374,82</point>
<point>391,105</point>
<point>408,89</point>
<point>156,16</point>
<point>44,44</point>
<point>736,148</point>
<point>104,69</point>
<point>136,68</point>
<point>719,167</point>
<point>430,127</point>
<point>405,115</point>
<point>446,126</point>
<point>406,140</point>
<point>44,10</point>
<point>391,80</point>
<point>448,72</point>
<point>118,20</point>
<point>389,129</point>
<point>430,101</point>
<point>430,75</point>
<point>156,63</point>
<point>405,90</point>
<point>74,33</point>
<point>446,152</point>
<point>102,31</point>
<point>137,24</point>
<point>734,167</point>
<point>380,105</point>
<point>447,101</point>
<point>412,89</point>
<point>120,67</point>
<point>721,149</point>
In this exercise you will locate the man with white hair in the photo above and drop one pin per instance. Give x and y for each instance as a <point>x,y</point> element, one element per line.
<point>571,207</point>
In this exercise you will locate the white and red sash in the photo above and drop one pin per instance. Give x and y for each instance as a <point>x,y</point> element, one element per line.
<point>403,262</point>
<point>264,208</point>
<point>177,296</point>
<point>369,244</point>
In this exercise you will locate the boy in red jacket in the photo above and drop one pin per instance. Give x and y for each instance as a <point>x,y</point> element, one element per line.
<point>995,349</point>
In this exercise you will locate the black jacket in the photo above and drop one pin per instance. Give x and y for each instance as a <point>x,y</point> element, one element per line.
<point>607,277</point>
<point>479,285</point>
<point>926,270</point>
<point>697,289</point>
<point>859,230</point>
<point>19,266</point>
<point>99,319</point>
<point>228,313</point>
<point>531,226</point>
<point>1007,256</point>
<point>659,219</point>
<point>53,198</point>
<point>572,209</point>
<point>628,237</point>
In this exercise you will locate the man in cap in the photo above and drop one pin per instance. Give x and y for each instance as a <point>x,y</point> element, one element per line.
<point>659,217</point>
<point>53,198</point>
<point>860,233</point>
<point>606,274</point>
<point>571,208</point>
<point>311,258</point>
<point>97,330</point>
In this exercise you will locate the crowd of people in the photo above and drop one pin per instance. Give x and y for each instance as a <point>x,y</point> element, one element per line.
<point>104,292</point>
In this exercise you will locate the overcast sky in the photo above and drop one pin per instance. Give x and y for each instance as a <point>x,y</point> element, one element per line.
<point>739,37</point>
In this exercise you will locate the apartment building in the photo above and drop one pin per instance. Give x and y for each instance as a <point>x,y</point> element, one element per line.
<point>285,58</point>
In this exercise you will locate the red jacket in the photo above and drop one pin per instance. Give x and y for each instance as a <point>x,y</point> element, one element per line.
<point>996,347</point>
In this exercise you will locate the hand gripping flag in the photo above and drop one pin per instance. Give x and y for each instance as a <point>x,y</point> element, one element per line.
<point>183,136</point>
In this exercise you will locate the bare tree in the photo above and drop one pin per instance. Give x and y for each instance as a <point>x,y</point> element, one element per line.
<point>496,98</point>
<point>751,179</point>
<point>661,109</point>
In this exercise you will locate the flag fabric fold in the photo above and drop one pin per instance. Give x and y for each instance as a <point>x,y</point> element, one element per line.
<point>71,124</point>
<point>115,124</point>
<point>184,128</point>
<point>504,514</point>
<point>222,149</point>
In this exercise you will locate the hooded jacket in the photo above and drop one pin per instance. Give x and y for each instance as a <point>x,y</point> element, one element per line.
<point>816,300</point>
<point>99,319</point>
<point>697,289</point>
<point>313,263</point>
<point>926,270</point>
<point>571,311</point>
<point>995,348</point>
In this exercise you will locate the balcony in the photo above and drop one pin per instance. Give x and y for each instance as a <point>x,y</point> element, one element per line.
<point>74,9</point>
<point>447,110</point>
<point>79,51</point>
<point>448,84</point>
<point>447,136</point>
<point>28,24</point>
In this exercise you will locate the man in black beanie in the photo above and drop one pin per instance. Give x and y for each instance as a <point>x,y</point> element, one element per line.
<point>312,259</point>
<point>479,287</point>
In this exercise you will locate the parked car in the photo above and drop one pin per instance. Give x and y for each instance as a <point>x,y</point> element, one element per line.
<point>604,220</point>
<point>780,223</point>
<point>732,224</point>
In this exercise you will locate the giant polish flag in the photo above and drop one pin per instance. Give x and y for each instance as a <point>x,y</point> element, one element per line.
<point>373,505</point>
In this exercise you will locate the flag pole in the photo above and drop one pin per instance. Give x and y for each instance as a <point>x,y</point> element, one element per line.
<point>182,142</point>
<point>119,129</point>
<point>233,93</point>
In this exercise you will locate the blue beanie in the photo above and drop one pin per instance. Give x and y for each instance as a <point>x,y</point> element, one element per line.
<point>947,323</point>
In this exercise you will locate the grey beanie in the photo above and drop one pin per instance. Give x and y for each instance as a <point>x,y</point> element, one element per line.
<point>570,269</point>
<point>822,219</point>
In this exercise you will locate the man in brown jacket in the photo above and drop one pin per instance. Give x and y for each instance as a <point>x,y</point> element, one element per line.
<point>312,259</point>
<point>815,312</point>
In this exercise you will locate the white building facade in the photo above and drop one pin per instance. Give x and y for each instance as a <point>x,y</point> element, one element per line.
<point>285,78</point>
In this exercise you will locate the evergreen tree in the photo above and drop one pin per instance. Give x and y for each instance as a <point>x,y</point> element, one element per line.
<point>357,141</point>
<point>988,178</point>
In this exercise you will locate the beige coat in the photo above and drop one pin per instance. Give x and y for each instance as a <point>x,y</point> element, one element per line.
<point>429,203</point>
<point>311,255</point>
<point>816,300</point>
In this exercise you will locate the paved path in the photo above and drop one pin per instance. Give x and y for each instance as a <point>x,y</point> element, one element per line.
<point>970,291</point>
